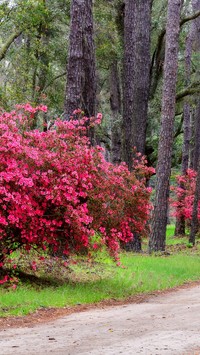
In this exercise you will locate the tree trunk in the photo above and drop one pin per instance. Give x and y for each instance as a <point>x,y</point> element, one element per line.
<point>115,104</point>
<point>136,83</point>
<point>195,222</point>
<point>186,138</point>
<point>159,219</point>
<point>81,76</point>
<point>89,88</point>
<point>180,221</point>
<point>196,151</point>
<point>187,108</point>
<point>134,245</point>
<point>136,76</point>
<point>41,69</point>
<point>191,151</point>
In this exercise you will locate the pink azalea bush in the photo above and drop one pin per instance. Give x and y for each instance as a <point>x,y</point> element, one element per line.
<point>57,192</point>
<point>183,199</point>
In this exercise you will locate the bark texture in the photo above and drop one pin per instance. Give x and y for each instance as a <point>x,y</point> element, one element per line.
<point>115,105</point>
<point>159,219</point>
<point>196,152</point>
<point>180,221</point>
<point>81,72</point>
<point>186,107</point>
<point>195,222</point>
<point>136,76</point>
<point>89,74</point>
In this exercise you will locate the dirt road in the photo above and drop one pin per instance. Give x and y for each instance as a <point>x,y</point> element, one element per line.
<point>162,325</point>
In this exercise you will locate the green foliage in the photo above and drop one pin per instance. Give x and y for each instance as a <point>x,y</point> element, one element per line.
<point>37,56</point>
<point>189,245</point>
<point>108,42</point>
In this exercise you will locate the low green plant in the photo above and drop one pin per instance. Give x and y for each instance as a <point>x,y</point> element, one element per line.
<point>189,245</point>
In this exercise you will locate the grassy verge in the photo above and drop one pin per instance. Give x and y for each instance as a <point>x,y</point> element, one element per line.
<point>86,282</point>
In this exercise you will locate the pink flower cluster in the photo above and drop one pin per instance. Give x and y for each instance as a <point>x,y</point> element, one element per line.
<point>56,191</point>
<point>183,199</point>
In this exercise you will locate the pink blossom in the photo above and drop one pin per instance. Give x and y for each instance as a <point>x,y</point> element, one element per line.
<point>58,191</point>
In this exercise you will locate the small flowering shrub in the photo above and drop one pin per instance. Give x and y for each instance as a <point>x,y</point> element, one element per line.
<point>184,195</point>
<point>56,191</point>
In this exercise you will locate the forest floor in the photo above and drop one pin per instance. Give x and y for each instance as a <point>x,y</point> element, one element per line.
<point>161,323</point>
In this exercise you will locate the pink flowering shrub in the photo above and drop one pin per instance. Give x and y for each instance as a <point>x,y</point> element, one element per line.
<point>184,195</point>
<point>56,191</point>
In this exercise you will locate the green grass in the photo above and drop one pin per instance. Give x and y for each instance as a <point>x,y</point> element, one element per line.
<point>170,230</point>
<point>171,240</point>
<point>85,282</point>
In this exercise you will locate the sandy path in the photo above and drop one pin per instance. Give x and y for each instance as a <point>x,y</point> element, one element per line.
<point>168,324</point>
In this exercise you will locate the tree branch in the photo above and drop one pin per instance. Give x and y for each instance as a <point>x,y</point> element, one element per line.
<point>158,56</point>
<point>179,128</point>
<point>6,46</point>
<point>189,18</point>
<point>190,90</point>
<point>182,22</point>
<point>51,81</point>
